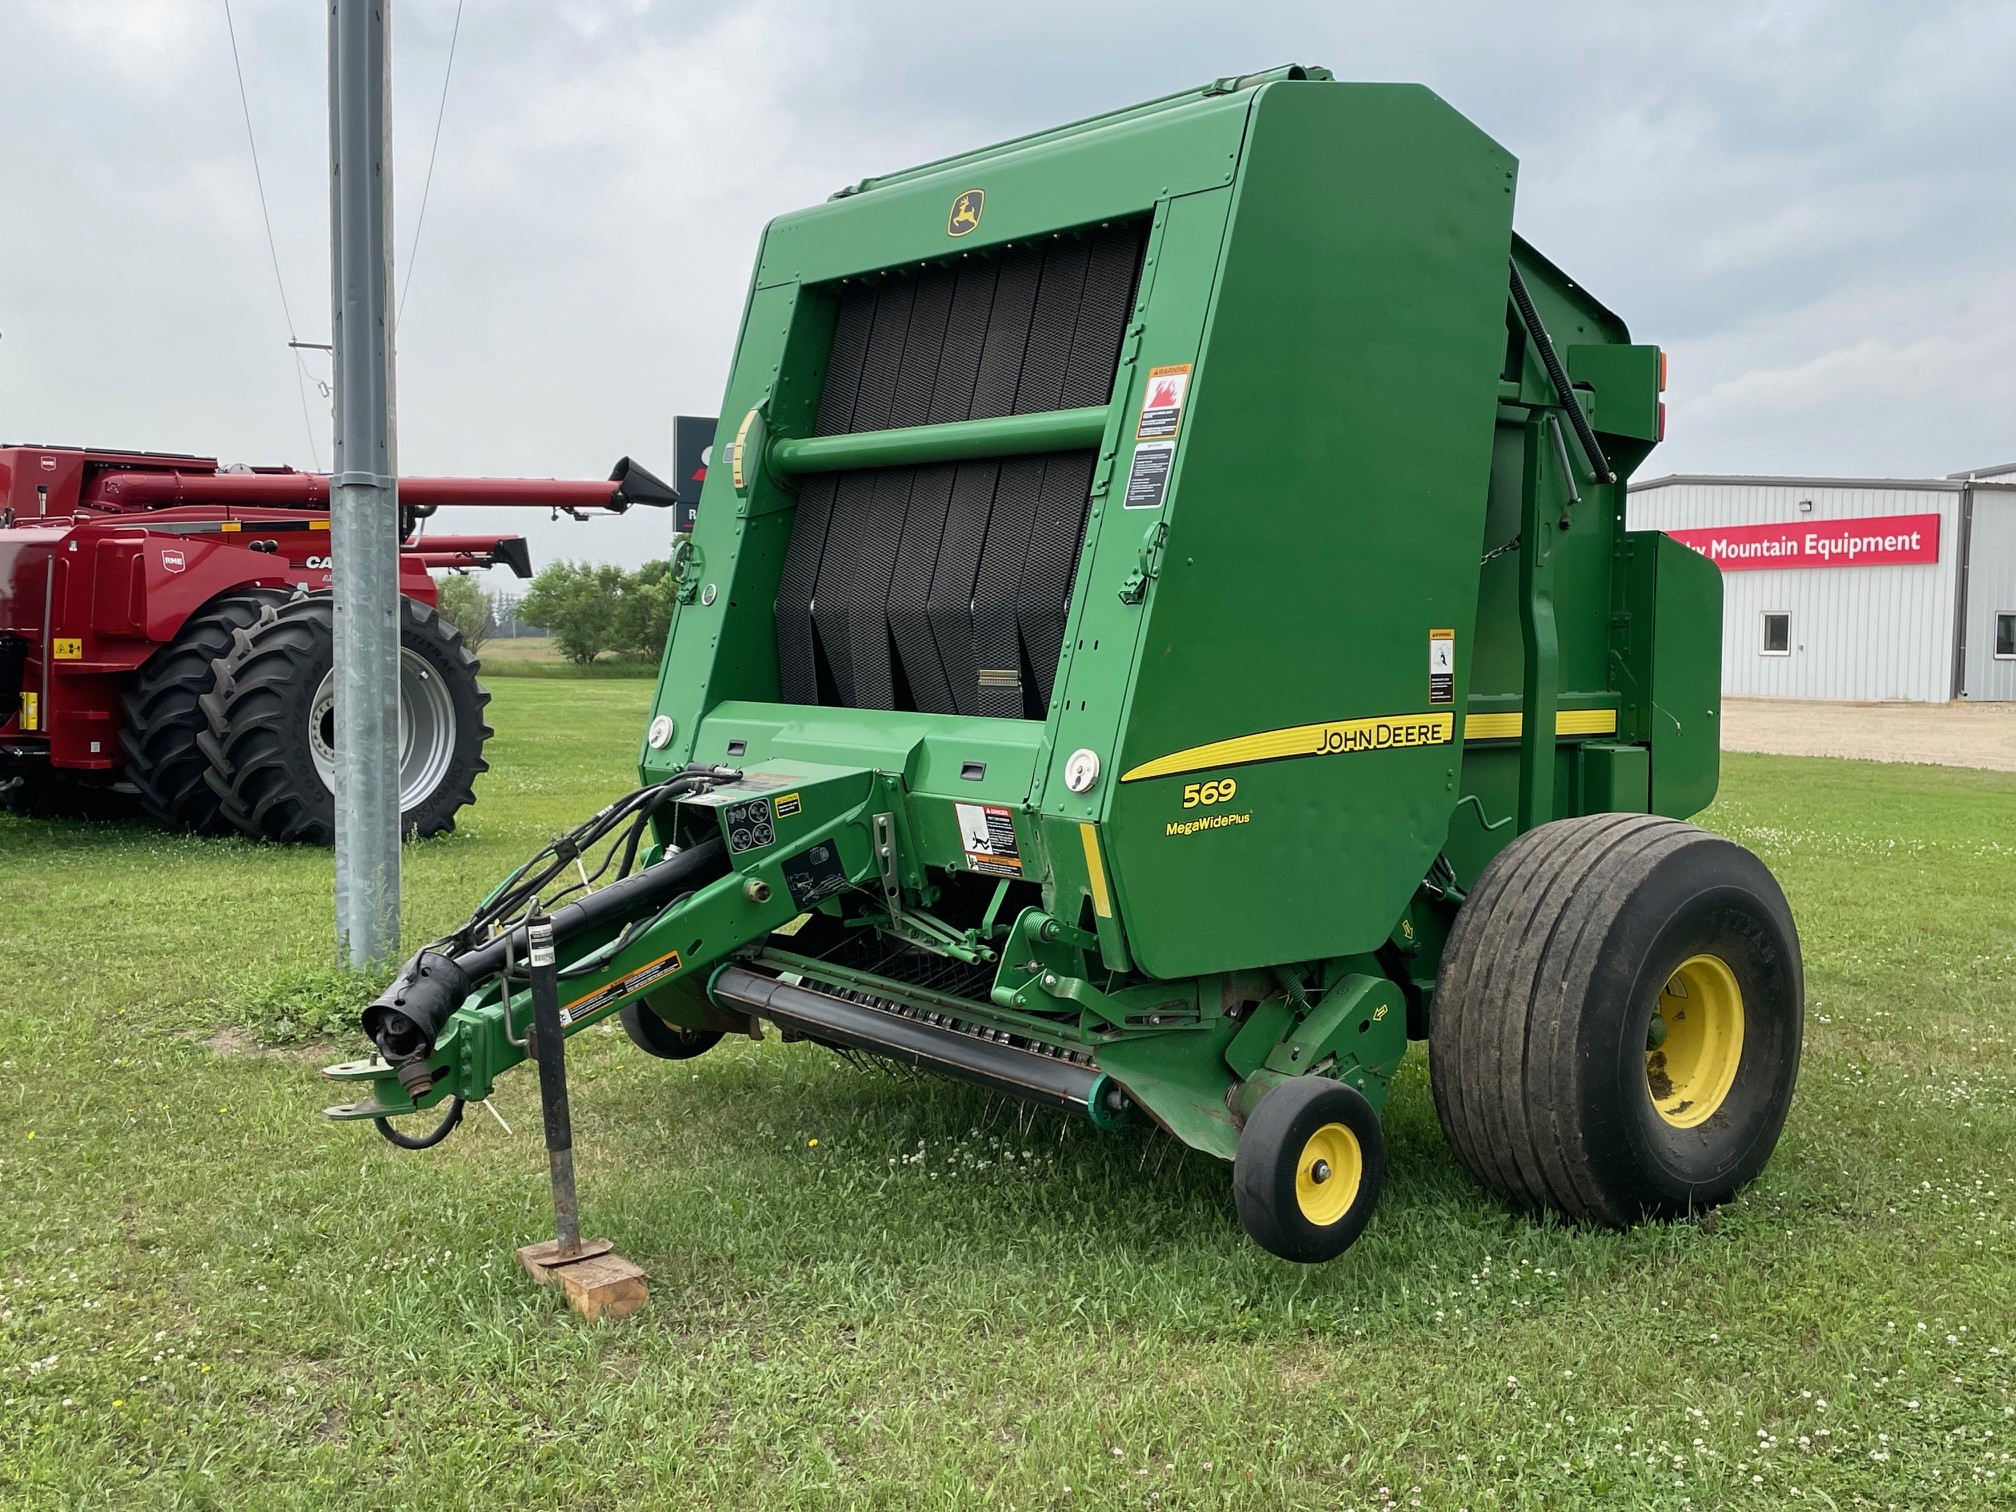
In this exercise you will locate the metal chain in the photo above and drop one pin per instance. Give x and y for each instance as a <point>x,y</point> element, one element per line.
<point>1497,551</point>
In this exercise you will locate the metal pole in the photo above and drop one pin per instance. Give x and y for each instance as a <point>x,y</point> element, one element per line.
<point>549,1051</point>
<point>364,505</point>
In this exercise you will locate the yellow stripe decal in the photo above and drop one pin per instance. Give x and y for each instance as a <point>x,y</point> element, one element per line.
<point>1336,737</point>
<point>1566,722</point>
<point>1095,871</point>
<point>1384,732</point>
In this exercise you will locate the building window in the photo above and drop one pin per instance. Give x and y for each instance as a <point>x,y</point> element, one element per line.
<point>2005,636</point>
<point>1777,633</point>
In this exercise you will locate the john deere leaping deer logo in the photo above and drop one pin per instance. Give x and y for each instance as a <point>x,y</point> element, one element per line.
<point>966,212</point>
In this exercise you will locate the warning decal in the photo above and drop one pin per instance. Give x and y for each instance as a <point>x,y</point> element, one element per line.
<point>748,824</point>
<point>647,975</point>
<point>1148,478</point>
<point>814,875</point>
<point>987,830</point>
<point>1162,404</point>
<point>1441,666</point>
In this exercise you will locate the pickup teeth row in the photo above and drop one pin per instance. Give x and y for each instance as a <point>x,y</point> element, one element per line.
<point>956,1025</point>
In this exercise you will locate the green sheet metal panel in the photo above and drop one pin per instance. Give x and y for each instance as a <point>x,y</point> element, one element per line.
<point>1325,516</point>
<point>1686,680</point>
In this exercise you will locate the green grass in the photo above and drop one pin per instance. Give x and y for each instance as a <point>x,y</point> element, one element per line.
<point>209,1296</point>
<point>535,656</point>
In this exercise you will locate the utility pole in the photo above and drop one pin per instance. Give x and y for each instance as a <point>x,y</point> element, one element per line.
<point>364,500</point>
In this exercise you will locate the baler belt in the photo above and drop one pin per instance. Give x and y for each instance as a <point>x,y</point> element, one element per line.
<point>906,587</point>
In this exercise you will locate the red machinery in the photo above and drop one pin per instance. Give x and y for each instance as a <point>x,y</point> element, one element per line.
<point>165,637</point>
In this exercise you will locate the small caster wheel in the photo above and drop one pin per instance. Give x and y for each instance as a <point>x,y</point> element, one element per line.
<point>1308,1170</point>
<point>654,1036</point>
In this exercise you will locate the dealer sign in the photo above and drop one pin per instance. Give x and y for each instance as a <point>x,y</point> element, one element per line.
<point>1873,541</point>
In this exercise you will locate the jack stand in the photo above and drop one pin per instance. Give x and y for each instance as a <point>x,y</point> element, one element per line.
<point>597,1282</point>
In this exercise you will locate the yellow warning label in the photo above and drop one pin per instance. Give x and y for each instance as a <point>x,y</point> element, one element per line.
<point>627,985</point>
<point>1339,737</point>
<point>31,711</point>
<point>67,648</point>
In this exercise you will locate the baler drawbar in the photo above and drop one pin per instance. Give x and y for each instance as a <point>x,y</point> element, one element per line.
<point>1164,637</point>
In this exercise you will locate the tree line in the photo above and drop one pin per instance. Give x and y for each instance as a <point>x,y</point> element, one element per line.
<point>588,608</point>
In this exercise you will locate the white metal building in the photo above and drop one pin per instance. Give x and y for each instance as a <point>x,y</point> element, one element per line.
<point>1855,588</point>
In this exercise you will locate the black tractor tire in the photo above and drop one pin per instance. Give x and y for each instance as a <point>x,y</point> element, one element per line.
<point>1308,1169</point>
<point>163,719</point>
<point>270,736</point>
<point>1616,1023</point>
<point>654,1036</point>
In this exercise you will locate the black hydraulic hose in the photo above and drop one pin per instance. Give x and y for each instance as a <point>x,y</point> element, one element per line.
<point>639,893</point>
<point>1558,376</point>
<point>423,1141</point>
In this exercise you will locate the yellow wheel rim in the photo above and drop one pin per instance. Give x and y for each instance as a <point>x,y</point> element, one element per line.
<point>1690,1067</point>
<point>1328,1173</point>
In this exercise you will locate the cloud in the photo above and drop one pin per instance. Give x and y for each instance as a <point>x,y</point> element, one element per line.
<point>146,42</point>
<point>1807,202</point>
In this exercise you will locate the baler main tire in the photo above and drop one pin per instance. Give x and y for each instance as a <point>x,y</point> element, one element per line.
<point>163,719</point>
<point>1542,1060</point>
<point>1306,1134</point>
<point>268,741</point>
<point>654,1036</point>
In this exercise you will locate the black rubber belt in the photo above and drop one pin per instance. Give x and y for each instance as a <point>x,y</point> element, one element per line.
<point>945,588</point>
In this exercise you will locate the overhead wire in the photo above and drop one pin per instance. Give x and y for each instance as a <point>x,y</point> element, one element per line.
<point>440,112</point>
<point>301,377</point>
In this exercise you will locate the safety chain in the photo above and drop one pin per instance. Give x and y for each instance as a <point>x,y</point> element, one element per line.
<point>1497,551</point>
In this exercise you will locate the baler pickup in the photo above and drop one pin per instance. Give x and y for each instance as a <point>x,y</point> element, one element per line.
<point>1164,635</point>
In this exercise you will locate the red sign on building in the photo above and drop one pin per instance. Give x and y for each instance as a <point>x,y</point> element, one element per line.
<point>1872,541</point>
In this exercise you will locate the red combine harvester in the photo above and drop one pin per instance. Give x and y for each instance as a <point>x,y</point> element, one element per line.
<point>165,638</point>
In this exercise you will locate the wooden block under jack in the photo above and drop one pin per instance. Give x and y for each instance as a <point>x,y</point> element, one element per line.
<point>596,1282</point>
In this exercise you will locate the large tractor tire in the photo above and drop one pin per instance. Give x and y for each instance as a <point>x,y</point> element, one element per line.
<point>270,747</point>
<point>163,719</point>
<point>1617,1019</point>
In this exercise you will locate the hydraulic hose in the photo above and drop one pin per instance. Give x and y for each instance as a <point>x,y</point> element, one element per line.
<point>1558,376</point>
<point>423,1141</point>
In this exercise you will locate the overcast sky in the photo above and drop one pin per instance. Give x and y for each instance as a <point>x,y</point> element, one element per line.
<point>1808,204</point>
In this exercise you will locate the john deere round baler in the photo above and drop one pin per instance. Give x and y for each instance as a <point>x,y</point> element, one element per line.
<point>1166,636</point>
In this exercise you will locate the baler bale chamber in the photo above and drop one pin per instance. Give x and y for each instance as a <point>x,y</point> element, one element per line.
<point>1165,637</point>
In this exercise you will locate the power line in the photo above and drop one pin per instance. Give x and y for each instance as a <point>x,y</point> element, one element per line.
<point>272,246</point>
<point>420,220</point>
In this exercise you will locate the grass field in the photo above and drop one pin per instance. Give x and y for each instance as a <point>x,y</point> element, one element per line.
<point>537,656</point>
<point>890,1294</point>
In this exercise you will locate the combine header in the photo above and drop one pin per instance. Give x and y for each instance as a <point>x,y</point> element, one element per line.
<point>1166,636</point>
<point>165,637</point>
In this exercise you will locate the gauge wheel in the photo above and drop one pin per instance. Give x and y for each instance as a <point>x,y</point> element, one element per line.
<point>1308,1169</point>
<point>654,1036</point>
